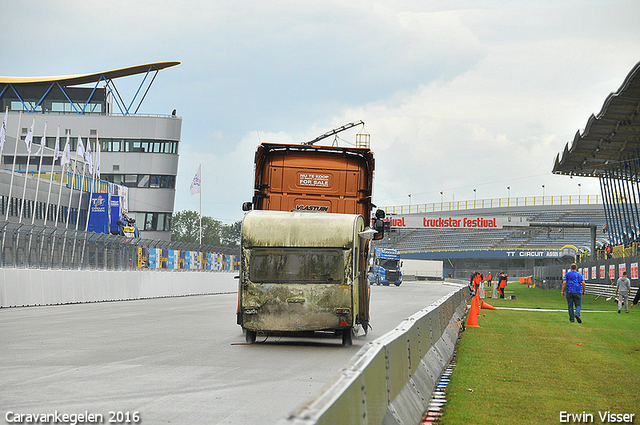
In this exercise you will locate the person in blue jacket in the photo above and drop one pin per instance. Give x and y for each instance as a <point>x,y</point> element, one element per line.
<point>573,288</point>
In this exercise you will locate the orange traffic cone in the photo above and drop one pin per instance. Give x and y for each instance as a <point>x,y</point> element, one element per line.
<point>487,306</point>
<point>472,317</point>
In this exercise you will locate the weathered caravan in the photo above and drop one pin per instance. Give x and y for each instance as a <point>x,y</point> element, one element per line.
<point>301,272</point>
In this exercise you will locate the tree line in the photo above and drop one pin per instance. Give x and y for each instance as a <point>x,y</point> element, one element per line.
<point>185,227</point>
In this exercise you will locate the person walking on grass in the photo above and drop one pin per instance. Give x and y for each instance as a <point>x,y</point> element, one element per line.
<point>573,288</point>
<point>623,286</point>
<point>502,283</point>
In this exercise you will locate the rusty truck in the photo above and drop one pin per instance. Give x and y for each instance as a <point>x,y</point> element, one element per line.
<point>305,242</point>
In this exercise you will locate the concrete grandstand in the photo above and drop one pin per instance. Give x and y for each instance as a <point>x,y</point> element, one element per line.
<point>511,242</point>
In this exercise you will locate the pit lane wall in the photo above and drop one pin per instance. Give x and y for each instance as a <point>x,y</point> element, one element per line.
<point>29,287</point>
<point>391,380</point>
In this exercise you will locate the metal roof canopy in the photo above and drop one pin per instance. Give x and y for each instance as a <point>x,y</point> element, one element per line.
<point>74,80</point>
<point>610,137</point>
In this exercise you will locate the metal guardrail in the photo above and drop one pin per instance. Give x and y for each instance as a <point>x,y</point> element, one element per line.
<point>525,201</point>
<point>32,246</point>
<point>391,379</point>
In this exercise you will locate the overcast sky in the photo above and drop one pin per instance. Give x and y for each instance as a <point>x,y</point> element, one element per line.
<point>457,95</point>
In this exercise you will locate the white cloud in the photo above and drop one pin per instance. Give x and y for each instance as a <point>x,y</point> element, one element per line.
<point>455,94</point>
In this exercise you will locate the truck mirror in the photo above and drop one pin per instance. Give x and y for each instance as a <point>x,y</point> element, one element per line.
<point>247,206</point>
<point>378,225</point>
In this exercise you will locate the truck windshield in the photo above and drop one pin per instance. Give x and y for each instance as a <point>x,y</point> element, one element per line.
<point>389,264</point>
<point>286,265</point>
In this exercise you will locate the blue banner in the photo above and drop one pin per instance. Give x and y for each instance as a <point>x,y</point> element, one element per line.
<point>99,214</point>
<point>154,258</point>
<point>116,210</point>
<point>171,259</point>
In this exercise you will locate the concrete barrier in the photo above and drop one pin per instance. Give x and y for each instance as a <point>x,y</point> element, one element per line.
<point>391,380</point>
<point>29,287</point>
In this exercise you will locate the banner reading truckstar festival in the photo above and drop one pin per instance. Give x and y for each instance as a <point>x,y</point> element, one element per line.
<point>457,222</point>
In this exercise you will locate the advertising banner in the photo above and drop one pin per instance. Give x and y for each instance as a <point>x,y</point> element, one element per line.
<point>634,270</point>
<point>171,259</point>
<point>622,268</point>
<point>99,215</point>
<point>195,260</point>
<point>154,258</point>
<point>417,221</point>
<point>116,210</point>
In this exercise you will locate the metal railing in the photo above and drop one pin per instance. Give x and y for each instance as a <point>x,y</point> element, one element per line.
<point>526,201</point>
<point>32,246</point>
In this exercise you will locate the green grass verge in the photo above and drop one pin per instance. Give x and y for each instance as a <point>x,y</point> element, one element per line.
<point>525,367</point>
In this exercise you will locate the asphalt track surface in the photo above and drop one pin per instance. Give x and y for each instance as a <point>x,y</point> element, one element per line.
<point>173,360</point>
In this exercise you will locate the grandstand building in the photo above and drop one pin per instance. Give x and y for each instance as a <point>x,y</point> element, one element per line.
<point>138,152</point>
<point>508,235</point>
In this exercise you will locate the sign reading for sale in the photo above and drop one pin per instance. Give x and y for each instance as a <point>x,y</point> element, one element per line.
<point>315,180</point>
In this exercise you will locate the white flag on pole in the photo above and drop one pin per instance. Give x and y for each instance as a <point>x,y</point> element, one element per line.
<point>66,154</point>
<point>27,140</point>
<point>43,141</point>
<point>88,159</point>
<point>195,184</point>
<point>3,129</point>
<point>80,150</point>
<point>56,151</point>
<point>98,158</point>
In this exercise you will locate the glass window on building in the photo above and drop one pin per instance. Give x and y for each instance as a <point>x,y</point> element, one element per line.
<point>154,181</point>
<point>131,180</point>
<point>114,178</point>
<point>153,221</point>
<point>143,180</point>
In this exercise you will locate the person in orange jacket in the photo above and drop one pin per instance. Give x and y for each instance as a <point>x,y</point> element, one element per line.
<point>502,283</point>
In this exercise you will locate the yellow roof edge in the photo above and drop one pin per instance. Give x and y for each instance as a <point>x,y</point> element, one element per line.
<point>74,80</point>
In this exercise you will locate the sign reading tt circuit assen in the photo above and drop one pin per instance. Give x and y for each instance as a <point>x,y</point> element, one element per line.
<point>444,222</point>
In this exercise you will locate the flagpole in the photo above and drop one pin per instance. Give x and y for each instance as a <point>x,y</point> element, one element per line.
<point>80,145</point>
<point>26,171</point>
<point>92,187</point>
<point>81,180</point>
<point>3,138</point>
<point>73,178</point>
<point>3,131</point>
<point>13,168</point>
<point>63,164</point>
<point>89,160</point>
<point>41,150</point>
<point>53,165</point>
<point>200,168</point>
